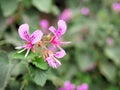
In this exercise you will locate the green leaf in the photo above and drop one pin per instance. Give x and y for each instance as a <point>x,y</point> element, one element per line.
<point>85,62</point>
<point>31,17</point>
<point>43,5</point>
<point>21,55</point>
<point>40,63</point>
<point>3,24</point>
<point>8,8</point>
<point>5,69</point>
<point>38,76</point>
<point>55,10</point>
<point>108,70</point>
<point>113,54</point>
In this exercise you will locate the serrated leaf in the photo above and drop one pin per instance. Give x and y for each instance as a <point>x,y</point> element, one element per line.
<point>113,54</point>
<point>38,76</point>
<point>40,63</point>
<point>108,70</point>
<point>8,8</point>
<point>43,5</point>
<point>5,69</point>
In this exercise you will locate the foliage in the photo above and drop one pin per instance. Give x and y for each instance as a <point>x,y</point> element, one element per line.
<point>93,56</point>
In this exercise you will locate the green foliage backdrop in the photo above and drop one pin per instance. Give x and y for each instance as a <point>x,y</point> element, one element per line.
<point>92,57</point>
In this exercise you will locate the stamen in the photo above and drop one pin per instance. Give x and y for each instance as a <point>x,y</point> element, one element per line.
<point>22,50</point>
<point>27,53</point>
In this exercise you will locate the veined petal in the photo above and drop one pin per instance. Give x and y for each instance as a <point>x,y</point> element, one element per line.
<point>53,62</point>
<point>61,27</point>
<point>60,53</point>
<point>53,30</point>
<point>24,32</point>
<point>36,36</point>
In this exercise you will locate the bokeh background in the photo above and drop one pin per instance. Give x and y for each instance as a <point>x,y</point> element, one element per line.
<point>93,57</point>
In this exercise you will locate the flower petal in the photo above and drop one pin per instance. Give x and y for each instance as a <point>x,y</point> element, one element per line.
<point>60,54</point>
<point>36,36</point>
<point>83,86</point>
<point>61,27</point>
<point>53,62</point>
<point>24,32</point>
<point>53,30</point>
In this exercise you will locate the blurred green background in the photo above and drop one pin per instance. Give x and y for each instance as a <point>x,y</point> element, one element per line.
<point>93,57</point>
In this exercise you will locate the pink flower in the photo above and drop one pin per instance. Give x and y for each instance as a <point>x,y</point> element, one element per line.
<point>66,15</point>
<point>51,58</point>
<point>84,86</point>
<point>29,39</point>
<point>85,11</point>
<point>68,86</point>
<point>116,7</point>
<point>56,40</point>
<point>110,41</point>
<point>44,25</point>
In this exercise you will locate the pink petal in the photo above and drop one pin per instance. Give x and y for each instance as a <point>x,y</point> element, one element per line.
<point>24,32</point>
<point>44,24</point>
<point>53,30</point>
<point>66,14</point>
<point>60,54</point>
<point>53,62</point>
<point>61,88</point>
<point>69,86</point>
<point>36,36</point>
<point>84,86</point>
<point>61,27</point>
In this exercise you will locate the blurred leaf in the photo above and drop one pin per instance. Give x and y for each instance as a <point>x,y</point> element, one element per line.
<point>27,3</point>
<point>19,68</point>
<point>5,69</point>
<point>31,17</point>
<point>8,8</point>
<point>38,76</point>
<point>40,63</point>
<point>85,62</point>
<point>21,55</point>
<point>108,70</point>
<point>3,24</point>
<point>113,54</point>
<point>43,5</point>
<point>55,10</point>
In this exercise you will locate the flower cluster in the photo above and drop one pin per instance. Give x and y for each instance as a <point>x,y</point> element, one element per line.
<point>116,7</point>
<point>69,86</point>
<point>49,44</point>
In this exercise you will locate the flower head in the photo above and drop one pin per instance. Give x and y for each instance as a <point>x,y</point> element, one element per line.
<point>30,40</point>
<point>110,41</point>
<point>66,15</point>
<point>56,40</point>
<point>68,86</point>
<point>85,11</point>
<point>51,57</point>
<point>116,7</point>
<point>84,86</point>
